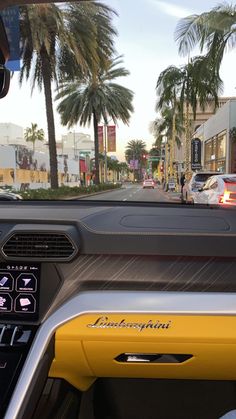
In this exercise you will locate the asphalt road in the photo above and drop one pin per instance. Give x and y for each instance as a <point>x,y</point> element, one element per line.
<point>130,192</point>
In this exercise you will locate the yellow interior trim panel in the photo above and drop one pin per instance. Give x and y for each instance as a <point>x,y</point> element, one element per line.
<point>145,346</point>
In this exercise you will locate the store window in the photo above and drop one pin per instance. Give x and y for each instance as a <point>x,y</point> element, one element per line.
<point>221,146</point>
<point>215,153</point>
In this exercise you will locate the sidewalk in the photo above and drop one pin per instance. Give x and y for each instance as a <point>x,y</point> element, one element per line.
<point>172,196</point>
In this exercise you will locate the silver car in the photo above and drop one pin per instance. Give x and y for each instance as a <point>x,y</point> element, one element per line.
<point>197,181</point>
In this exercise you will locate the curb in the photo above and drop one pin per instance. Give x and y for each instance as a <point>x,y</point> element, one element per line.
<point>166,195</point>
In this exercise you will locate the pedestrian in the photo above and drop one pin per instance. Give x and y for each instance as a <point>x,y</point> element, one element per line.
<point>182,181</point>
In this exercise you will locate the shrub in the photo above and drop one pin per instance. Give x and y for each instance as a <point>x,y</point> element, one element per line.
<point>66,191</point>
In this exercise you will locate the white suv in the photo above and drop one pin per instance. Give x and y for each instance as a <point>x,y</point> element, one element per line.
<point>197,180</point>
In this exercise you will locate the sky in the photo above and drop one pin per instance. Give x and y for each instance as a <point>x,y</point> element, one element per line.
<point>146,42</point>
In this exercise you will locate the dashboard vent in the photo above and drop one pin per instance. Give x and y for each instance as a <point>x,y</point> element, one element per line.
<point>35,245</point>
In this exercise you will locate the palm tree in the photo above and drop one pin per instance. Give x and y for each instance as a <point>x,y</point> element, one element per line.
<point>90,22</point>
<point>135,150</point>
<point>33,134</point>
<point>163,127</point>
<point>213,30</point>
<point>168,88</point>
<point>191,84</point>
<point>97,97</point>
<point>50,48</point>
<point>187,86</point>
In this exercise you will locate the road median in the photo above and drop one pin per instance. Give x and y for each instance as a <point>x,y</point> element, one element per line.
<point>66,192</point>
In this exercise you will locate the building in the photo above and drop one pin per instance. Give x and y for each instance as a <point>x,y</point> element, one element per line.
<point>11,134</point>
<point>80,147</point>
<point>75,143</point>
<point>218,142</point>
<point>202,116</point>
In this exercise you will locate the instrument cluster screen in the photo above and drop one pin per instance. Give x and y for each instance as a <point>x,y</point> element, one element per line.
<point>19,290</point>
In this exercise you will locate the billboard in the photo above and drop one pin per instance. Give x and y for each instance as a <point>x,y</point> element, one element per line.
<point>196,154</point>
<point>100,139</point>
<point>111,138</point>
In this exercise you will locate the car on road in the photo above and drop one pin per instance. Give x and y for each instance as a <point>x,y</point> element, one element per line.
<point>9,196</point>
<point>192,186</point>
<point>148,183</point>
<point>219,189</point>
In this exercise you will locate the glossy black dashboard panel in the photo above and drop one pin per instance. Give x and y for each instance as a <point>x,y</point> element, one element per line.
<point>135,229</point>
<point>129,247</point>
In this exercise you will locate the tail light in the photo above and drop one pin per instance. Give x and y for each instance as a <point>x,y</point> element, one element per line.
<point>224,199</point>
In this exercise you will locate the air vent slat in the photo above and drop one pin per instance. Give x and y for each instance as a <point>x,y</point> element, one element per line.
<point>39,245</point>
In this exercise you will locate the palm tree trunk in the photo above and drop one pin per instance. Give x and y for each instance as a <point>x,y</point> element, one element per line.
<point>187,141</point>
<point>96,147</point>
<point>46,71</point>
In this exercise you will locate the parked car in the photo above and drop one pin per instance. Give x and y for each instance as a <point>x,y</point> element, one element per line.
<point>219,189</point>
<point>148,183</point>
<point>9,196</point>
<point>192,186</point>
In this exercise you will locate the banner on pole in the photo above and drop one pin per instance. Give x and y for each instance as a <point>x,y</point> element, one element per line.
<point>100,139</point>
<point>111,138</point>
<point>133,164</point>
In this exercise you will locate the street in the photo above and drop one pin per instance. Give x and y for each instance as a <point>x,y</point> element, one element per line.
<point>134,192</point>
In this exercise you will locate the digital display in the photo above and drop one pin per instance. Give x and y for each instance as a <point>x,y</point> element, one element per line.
<point>19,290</point>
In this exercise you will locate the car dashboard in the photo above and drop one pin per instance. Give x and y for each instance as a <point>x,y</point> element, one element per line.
<point>105,289</point>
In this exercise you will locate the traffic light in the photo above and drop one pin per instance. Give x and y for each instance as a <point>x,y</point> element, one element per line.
<point>162,169</point>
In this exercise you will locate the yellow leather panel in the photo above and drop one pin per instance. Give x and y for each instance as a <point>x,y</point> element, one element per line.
<point>87,346</point>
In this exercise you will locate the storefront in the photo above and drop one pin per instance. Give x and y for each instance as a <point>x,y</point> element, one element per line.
<point>215,153</point>
<point>218,152</point>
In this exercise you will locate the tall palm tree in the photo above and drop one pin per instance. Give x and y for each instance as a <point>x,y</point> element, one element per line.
<point>135,150</point>
<point>191,84</point>
<point>169,85</point>
<point>187,86</point>
<point>97,97</point>
<point>50,48</point>
<point>213,30</point>
<point>90,22</point>
<point>33,134</point>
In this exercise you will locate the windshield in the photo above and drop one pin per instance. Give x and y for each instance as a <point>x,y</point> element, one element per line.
<point>105,95</point>
<point>202,177</point>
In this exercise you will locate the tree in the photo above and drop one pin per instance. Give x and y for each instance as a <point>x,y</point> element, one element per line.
<point>135,150</point>
<point>213,30</point>
<point>191,84</point>
<point>51,48</point>
<point>162,127</point>
<point>97,97</point>
<point>33,134</point>
<point>180,88</point>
